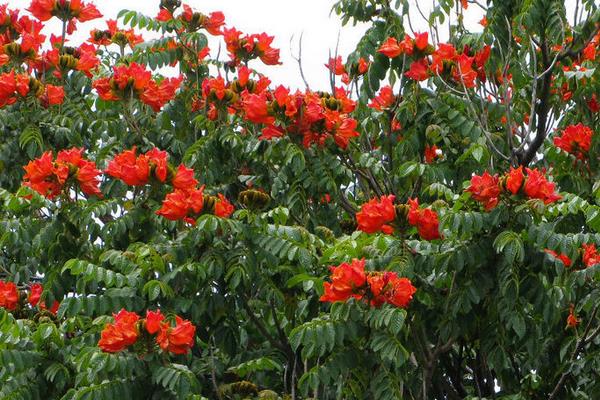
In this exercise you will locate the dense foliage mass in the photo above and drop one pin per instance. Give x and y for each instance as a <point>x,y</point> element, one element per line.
<point>428,229</point>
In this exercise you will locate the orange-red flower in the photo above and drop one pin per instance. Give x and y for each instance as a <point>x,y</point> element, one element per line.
<point>514,179</point>
<point>575,139</point>
<point>48,177</point>
<point>184,178</point>
<point>347,280</point>
<point>223,208</point>
<point>183,205</point>
<point>590,254</point>
<point>178,339</point>
<point>426,220</point>
<point>134,80</point>
<point>418,71</point>
<point>35,292</point>
<point>485,189</point>
<point>128,167</point>
<point>432,153</point>
<point>562,257</point>
<point>153,321</point>
<point>384,99</point>
<point>9,295</point>
<point>121,334</point>
<point>375,215</point>
<point>572,320</point>
<point>387,287</point>
<point>538,187</point>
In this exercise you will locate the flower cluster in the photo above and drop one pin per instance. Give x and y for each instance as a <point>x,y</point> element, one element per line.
<point>376,288</point>
<point>243,47</point>
<point>135,81</point>
<point>62,59</point>
<point>588,252</point>
<point>384,99</point>
<point>576,140</point>
<point>192,20</point>
<point>136,170</point>
<point>115,35</point>
<point>10,297</point>
<point>379,215</point>
<point>376,215</point>
<point>424,219</point>
<point>65,10</point>
<point>337,67</point>
<point>445,61</point>
<point>487,189</point>
<point>14,87</point>
<point>128,327</point>
<point>49,176</point>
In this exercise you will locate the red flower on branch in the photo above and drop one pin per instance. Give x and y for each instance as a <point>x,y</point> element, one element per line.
<point>538,187</point>
<point>485,189</point>
<point>9,295</point>
<point>426,220</point>
<point>223,208</point>
<point>153,321</point>
<point>590,254</point>
<point>183,205</point>
<point>375,215</point>
<point>572,320</point>
<point>347,281</point>
<point>562,257</point>
<point>178,339</point>
<point>121,334</point>
<point>384,99</point>
<point>387,287</point>
<point>576,140</point>
<point>515,179</point>
<point>184,178</point>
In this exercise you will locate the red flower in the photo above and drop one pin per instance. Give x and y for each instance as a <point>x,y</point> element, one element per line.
<point>65,10</point>
<point>48,178</point>
<point>184,178</point>
<point>256,110</point>
<point>182,205</point>
<point>390,48</point>
<point>575,139</point>
<point>426,220</point>
<point>223,208</point>
<point>421,40</point>
<point>562,257</point>
<point>385,99</point>
<point>485,189</point>
<point>347,280</point>
<point>590,254</point>
<point>363,66</point>
<point>336,65</point>
<point>178,339</point>
<point>153,321</point>
<point>134,80</point>
<point>418,70</point>
<point>375,215</point>
<point>537,187</point>
<point>593,104</point>
<point>572,320</point>
<point>387,287</point>
<point>431,153</point>
<point>269,132</point>
<point>132,170</point>
<point>514,180</point>
<point>158,162</point>
<point>9,296</point>
<point>35,292</point>
<point>463,71</point>
<point>120,334</point>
